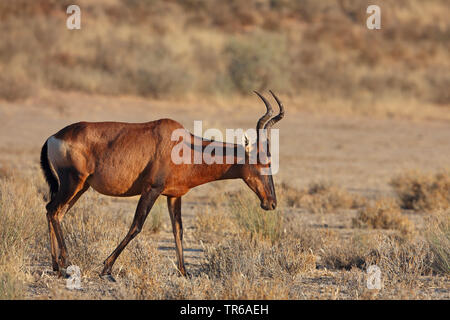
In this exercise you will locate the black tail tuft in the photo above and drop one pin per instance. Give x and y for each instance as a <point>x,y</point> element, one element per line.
<point>48,173</point>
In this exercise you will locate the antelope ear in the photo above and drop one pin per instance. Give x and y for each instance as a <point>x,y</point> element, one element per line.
<point>246,142</point>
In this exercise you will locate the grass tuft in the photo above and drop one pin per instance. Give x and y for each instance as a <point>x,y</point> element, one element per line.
<point>259,224</point>
<point>438,237</point>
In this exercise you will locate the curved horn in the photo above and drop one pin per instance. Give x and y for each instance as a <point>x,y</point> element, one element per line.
<point>278,117</point>
<point>267,115</point>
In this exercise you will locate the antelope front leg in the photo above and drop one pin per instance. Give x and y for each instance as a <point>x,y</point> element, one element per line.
<point>174,205</point>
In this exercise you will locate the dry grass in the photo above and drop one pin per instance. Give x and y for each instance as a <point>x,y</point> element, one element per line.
<point>338,254</point>
<point>383,214</point>
<point>423,192</point>
<point>254,221</point>
<point>320,197</point>
<point>437,233</point>
<point>255,260</point>
<point>5,171</point>
<point>212,224</point>
<point>21,229</point>
<point>400,261</point>
<point>244,256</point>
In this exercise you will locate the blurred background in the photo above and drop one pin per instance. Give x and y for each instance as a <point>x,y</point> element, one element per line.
<point>317,54</point>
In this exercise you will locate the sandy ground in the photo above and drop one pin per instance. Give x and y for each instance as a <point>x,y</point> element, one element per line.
<point>360,154</point>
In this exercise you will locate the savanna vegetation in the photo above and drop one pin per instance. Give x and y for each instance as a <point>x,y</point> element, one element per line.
<point>247,253</point>
<point>217,50</point>
<point>347,198</point>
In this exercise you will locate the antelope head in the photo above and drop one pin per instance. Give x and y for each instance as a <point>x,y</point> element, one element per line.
<point>258,176</point>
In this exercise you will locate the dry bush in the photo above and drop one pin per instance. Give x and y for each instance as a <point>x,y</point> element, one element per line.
<point>320,197</point>
<point>234,265</point>
<point>289,195</point>
<point>27,8</point>
<point>144,273</point>
<point>15,87</point>
<point>136,67</point>
<point>338,253</point>
<point>220,48</point>
<point>308,238</point>
<point>254,260</point>
<point>92,231</point>
<point>22,228</point>
<point>243,267</point>
<point>237,287</point>
<point>258,223</point>
<point>237,268</point>
<point>88,232</point>
<point>399,260</point>
<point>423,192</point>
<point>256,62</point>
<point>212,224</point>
<point>383,214</point>
<point>325,197</point>
<point>437,233</point>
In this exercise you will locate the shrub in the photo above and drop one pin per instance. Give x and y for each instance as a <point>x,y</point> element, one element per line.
<point>253,259</point>
<point>15,87</point>
<point>399,260</point>
<point>320,197</point>
<point>213,224</point>
<point>419,191</point>
<point>257,62</point>
<point>383,214</point>
<point>344,253</point>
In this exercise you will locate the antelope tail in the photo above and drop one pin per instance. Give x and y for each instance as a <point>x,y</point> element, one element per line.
<point>49,172</point>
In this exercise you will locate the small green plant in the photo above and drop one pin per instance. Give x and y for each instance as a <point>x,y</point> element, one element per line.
<point>254,220</point>
<point>155,220</point>
<point>438,237</point>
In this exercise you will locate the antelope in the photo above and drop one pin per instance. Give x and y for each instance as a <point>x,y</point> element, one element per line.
<point>129,159</point>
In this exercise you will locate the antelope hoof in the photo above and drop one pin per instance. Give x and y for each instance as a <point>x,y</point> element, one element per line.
<point>183,273</point>
<point>62,273</point>
<point>108,277</point>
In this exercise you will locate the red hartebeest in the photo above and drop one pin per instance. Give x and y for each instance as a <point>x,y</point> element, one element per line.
<point>128,159</point>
